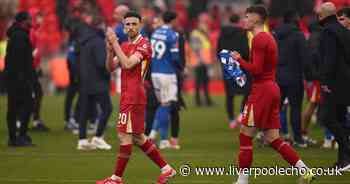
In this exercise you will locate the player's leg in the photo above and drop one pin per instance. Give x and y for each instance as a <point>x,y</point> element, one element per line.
<point>245,156</point>
<point>287,152</point>
<point>124,154</point>
<point>152,152</point>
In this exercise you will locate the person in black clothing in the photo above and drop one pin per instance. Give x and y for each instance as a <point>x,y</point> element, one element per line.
<point>334,77</point>
<point>232,38</point>
<point>72,90</point>
<point>180,104</point>
<point>19,77</point>
<point>94,80</point>
<point>293,58</point>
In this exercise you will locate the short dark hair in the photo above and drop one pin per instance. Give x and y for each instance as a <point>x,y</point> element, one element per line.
<point>168,16</point>
<point>234,18</point>
<point>344,11</point>
<point>132,14</point>
<point>291,17</point>
<point>22,16</point>
<point>258,9</point>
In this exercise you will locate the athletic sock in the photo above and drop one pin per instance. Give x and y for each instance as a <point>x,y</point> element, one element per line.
<point>245,157</point>
<point>122,160</point>
<point>286,151</point>
<point>152,152</point>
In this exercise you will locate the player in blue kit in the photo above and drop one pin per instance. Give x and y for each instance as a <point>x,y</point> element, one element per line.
<point>165,62</point>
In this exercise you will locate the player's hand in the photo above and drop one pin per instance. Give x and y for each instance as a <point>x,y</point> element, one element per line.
<point>235,55</point>
<point>109,47</point>
<point>111,36</point>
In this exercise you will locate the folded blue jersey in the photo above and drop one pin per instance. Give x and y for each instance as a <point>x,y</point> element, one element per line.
<point>231,68</point>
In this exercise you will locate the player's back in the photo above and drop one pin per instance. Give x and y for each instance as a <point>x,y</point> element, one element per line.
<point>165,50</point>
<point>264,47</point>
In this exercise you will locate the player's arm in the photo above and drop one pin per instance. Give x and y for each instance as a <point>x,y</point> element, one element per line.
<point>112,62</point>
<point>125,62</point>
<point>258,53</point>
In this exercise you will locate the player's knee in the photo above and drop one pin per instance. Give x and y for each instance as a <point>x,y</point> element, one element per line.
<point>125,138</point>
<point>270,138</point>
<point>138,139</point>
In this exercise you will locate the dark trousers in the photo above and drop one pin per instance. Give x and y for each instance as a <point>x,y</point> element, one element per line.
<point>230,93</point>
<point>175,122</point>
<point>86,101</point>
<point>72,91</point>
<point>38,90</point>
<point>202,81</point>
<point>295,94</point>
<point>19,107</point>
<point>333,116</point>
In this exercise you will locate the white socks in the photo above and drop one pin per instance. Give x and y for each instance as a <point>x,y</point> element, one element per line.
<point>165,168</point>
<point>300,165</point>
<point>115,177</point>
<point>242,178</point>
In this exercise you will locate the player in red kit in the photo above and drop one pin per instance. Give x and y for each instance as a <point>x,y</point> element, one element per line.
<point>263,105</point>
<point>133,56</point>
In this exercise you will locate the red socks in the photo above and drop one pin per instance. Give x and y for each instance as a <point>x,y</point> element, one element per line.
<point>245,157</point>
<point>151,151</point>
<point>286,151</point>
<point>123,158</point>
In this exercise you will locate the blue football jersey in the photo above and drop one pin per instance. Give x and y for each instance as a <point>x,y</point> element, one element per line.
<point>165,50</point>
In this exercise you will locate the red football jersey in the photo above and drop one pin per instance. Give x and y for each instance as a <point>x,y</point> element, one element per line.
<point>132,88</point>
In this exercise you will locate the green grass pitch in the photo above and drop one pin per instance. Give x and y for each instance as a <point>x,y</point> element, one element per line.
<point>205,138</point>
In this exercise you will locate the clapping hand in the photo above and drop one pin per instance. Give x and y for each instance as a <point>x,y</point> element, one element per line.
<point>111,36</point>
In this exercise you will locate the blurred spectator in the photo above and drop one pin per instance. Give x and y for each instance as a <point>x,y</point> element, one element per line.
<point>233,38</point>
<point>152,102</point>
<point>334,75</point>
<point>19,76</point>
<point>3,44</point>
<point>344,17</point>
<point>293,58</point>
<point>201,58</point>
<point>38,124</point>
<point>72,90</point>
<point>93,81</point>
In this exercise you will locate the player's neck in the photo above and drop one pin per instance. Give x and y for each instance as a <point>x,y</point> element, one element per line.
<point>134,38</point>
<point>258,29</point>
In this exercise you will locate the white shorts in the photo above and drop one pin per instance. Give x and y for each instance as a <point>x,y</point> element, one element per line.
<point>165,87</point>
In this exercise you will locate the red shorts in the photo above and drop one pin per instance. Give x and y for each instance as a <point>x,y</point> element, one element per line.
<point>263,107</point>
<point>131,119</point>
<point>313,91</point>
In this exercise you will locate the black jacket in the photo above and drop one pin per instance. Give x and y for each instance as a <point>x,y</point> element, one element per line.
<point>293,55</point>
<point>335,59</point>
<point>234,38</point>
<point>19,70</point>
<point>93,75</point>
